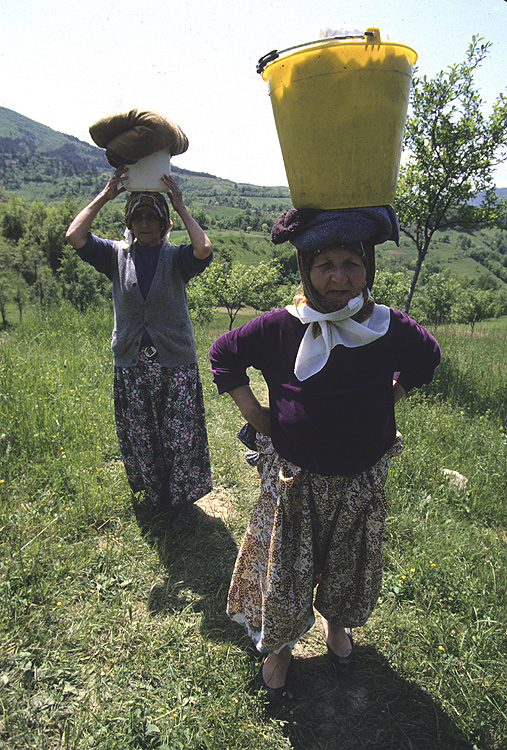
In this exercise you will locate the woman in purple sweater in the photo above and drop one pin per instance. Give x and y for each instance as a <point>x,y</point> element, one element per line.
<point>335,363</point>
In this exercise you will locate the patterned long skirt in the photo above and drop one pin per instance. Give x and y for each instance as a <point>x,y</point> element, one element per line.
<point>161,428</point>
<point>309,535</point>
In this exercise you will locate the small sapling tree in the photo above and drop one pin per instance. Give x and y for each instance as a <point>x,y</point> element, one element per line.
<point>452,151</point>
<point>238,286</point>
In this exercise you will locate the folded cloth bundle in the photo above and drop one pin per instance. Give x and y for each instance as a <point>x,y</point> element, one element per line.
<point>130,136</point>
<point>311,229</point>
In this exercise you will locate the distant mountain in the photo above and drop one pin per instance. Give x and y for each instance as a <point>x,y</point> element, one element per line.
<point>20,136</point>
<point>41,163</point>
<point>501,192</point>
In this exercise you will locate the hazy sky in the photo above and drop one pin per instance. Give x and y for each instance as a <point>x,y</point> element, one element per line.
<point>65,64</point>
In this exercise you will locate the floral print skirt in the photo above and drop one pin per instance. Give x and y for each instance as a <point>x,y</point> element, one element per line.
<point>161,428</point>
<point>313,540</point>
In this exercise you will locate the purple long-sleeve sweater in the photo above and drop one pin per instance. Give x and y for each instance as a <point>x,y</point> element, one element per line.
<point>340,420</point>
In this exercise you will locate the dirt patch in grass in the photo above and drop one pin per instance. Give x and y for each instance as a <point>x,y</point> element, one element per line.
<point>218,503</point>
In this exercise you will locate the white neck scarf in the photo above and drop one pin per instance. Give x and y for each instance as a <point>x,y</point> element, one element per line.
<point>327,330</point>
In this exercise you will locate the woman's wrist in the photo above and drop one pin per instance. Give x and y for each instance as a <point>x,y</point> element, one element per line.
<point>101,199</point>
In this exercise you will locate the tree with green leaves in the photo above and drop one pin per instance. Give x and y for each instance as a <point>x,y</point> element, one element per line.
<point>79,283</point>
<point>390,287</point>
<point>452,151</point>
<point>200,304</point>
<point>13,219</point>
<point>52,243</point>
<point>20,296</point>
<point>238,286</point>
<point>5,297</point>
<point>437,298</point>
<point>285,257</point>
<point>473,305</point>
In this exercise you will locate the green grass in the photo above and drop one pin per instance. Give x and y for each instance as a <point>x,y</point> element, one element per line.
<point>113,631</point>
<point>445,250</point>
<point>246,247</point>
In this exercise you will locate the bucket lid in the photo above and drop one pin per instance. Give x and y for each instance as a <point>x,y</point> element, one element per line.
<point>371,36</point>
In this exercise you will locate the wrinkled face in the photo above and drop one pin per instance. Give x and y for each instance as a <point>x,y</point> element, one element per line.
<point>338,274</point>
<point>146,227</point>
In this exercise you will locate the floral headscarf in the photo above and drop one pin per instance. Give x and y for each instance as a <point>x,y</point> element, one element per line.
<point>154,202</point>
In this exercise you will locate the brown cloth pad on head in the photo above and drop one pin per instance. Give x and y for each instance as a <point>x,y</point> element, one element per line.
<point>129,136</point>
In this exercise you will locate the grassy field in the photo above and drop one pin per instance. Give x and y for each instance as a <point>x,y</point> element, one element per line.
<point>113,628</point>
<point>251,247</point>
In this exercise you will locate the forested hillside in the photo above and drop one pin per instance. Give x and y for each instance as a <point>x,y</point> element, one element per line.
<point>40,163</point>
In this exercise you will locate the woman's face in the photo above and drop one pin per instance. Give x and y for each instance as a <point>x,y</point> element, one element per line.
<point>338,275</point>
<point>146,227</point>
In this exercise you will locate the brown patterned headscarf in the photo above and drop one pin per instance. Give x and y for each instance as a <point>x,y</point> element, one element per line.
<point>154,202</point>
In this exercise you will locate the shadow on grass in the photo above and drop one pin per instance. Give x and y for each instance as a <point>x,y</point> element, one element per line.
<point>374,708</point>
<point>198,558</point>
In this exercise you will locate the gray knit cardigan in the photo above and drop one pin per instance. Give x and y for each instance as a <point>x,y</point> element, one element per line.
<point>164,313</point>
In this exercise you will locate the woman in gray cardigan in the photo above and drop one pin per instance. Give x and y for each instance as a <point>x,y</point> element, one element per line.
<point>159,407</point>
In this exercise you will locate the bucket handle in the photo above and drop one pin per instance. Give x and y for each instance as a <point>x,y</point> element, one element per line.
<point>274,54</point>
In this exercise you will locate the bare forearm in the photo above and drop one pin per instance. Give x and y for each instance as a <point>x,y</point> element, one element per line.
<point>251,409</point>
<point>398,391</point>
<point>78,230</point>
<point>198,237</point>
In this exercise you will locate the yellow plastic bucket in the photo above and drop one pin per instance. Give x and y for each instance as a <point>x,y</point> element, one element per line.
<point>340,107</point>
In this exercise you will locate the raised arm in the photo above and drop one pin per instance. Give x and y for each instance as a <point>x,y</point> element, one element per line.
<point>78,230</point>
<point>199,239</point>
